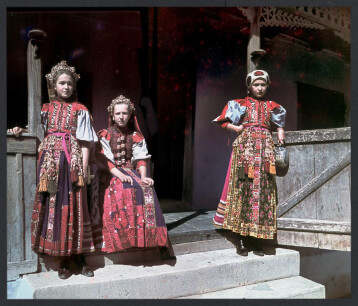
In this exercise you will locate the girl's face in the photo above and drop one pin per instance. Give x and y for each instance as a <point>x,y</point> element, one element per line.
<point>121,114</point>
<point>64,86</point>
<point>258,88</point>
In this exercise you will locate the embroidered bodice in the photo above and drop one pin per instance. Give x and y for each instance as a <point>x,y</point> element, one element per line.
<point>122,148</point>
<point>72,118</point>
<point>252,112</point>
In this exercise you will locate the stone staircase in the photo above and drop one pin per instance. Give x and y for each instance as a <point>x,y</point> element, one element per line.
<point>207,267</point>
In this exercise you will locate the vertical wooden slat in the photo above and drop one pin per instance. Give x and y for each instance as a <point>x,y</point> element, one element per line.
<point>34,83</point>
<point>254,39</point>
<point>29,163</point>
<point>333,198</point>
<point>20,203</point>
<point>11,202</point>
<point>16,226</point>
<point>300,172</point>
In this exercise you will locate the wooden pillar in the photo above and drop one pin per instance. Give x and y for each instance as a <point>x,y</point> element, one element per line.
<point>34,75</point>
<point>253,48</point>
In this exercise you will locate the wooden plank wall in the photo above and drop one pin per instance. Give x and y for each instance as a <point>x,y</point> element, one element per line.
<point>21,182</point>
<point>314,196</point>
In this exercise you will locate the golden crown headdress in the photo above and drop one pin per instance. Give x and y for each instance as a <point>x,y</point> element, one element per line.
<point>120,100</point>
<point>62,66</point>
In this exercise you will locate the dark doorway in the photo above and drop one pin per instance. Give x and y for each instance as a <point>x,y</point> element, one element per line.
<point>319,108</point>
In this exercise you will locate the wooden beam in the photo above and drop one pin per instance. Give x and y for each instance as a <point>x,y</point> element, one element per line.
<point>254,39</point>
<point>24,145</point>
<point>14,269</point>
<point>314,136</point>
<point>34,75</point>
<point>313,225</point>
<point>325,241</point>
<point>313,185</point>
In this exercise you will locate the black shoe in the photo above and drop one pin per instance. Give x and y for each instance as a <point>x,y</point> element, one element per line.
<point>259,252</point>
<point>165,254</point>
<point>257,249</point>
<point>63,273</point>
<point>64,269</point>
<point>87,271</point>
<point>241,248</point>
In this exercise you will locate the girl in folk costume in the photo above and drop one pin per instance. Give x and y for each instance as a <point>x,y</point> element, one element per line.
<point>60,224</point>
<point>248,201</point>
<point>130,213</point>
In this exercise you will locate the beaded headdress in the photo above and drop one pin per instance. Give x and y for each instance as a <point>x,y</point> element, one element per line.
<point>120,100</point>
<point>52,77</point>
<point>257,74</point>
<point>123,100</point>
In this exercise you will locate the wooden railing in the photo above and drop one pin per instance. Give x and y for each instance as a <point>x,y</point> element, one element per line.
<point>315,196</point>
<point>21,170</point>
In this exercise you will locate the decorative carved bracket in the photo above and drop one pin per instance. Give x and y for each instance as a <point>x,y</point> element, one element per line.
<point>36,36</point>
<point>335,18</point>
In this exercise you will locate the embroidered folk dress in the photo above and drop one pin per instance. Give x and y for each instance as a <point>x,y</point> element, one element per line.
<point>60,224</point>
<point>248,201</point>
<point>130,215</point>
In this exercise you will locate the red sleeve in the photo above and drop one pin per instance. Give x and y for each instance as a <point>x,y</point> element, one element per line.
<point>221,120</point>
<point>104,134</point>
<point>141,163</point>
<point>45,107</point>
<point>137,137</point>
<point>79,106</point>
<point>273,105</point>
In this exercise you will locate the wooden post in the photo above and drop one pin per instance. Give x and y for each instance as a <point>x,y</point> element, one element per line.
<point>254,39</point>
<point>34,83</point>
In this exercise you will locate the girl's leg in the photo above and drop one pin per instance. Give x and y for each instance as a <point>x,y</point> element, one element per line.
<point>64,269</point>
<point>241,247</point>
<point>257,246</point>
<point>167,252</point>
<point>86,269</point>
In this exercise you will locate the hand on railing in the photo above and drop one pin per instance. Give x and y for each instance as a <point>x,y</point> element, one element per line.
<point>281,136</point>
<point>17,131</point>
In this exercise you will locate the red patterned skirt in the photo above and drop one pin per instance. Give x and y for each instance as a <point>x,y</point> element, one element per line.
<point>60,224</point>
<point>127,216</point>
<point>248,201</point>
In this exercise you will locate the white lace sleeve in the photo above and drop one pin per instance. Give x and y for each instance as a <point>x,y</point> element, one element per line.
<point>85,129</point>
<point>140,151</point>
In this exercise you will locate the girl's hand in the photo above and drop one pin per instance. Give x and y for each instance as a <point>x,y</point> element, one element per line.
<point>147,181</point>
<point>239,129</point>
<point>125,178</point>
<point>281,135</point>
<point>17,131</point>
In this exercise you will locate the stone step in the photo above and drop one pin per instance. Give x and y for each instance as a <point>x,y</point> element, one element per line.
<point>141,256</point>
<point>149,255</point>
<point>296,287</point>
<point>189,274</point>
